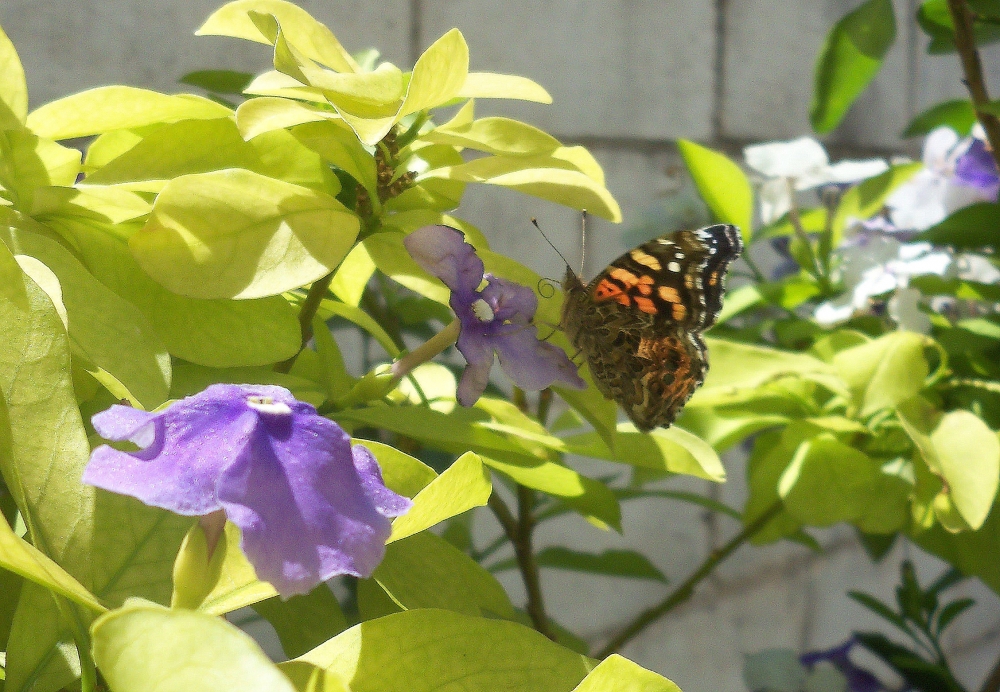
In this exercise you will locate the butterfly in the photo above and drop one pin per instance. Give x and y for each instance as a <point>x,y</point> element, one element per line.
<point>639,323</point>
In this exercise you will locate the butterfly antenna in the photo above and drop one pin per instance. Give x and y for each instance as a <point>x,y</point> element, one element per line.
<point>534,222</point>
<point>583,240</point>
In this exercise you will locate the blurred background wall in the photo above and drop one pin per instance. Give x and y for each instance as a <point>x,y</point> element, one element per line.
<point>627,78</point>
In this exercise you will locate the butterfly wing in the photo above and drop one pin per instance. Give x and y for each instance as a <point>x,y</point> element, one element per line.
<point>639,322</point>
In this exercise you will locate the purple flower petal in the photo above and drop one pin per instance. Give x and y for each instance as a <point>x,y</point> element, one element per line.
<point>308,507</point>
<point>976,168</point>
<point>387,503</point>
<point>120,423</point>
<point>442,251</point>
<point>494,320</point>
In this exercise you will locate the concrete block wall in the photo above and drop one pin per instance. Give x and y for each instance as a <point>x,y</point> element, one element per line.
<point>628,77</point>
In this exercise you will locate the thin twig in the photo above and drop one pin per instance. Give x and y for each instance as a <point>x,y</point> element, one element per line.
<point>518,530</point>
<point>972,68</point>
<point>683,592</point>
<point>307,311</point>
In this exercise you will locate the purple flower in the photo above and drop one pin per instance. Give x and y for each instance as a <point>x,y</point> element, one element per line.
<point>309,506</point>
<point>977,169</point>
<point>496,318</point>
<point>858,679</point>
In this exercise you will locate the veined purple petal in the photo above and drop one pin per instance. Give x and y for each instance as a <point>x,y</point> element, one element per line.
<point>303,511</point>
<point>473,382</point>
<point>387,503</point>
<point>442,251</point>
<point>510,301</point>
<point>534,364</point>
<point>120,423</point>
<point>307,506</point>
<point>180,469</point>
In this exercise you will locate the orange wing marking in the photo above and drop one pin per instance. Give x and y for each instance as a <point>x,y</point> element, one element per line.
<point>608,290</point>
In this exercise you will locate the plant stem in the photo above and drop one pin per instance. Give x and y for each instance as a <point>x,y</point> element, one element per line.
<point>306,314</point>
<point>518,530</point>
<point>972,68</point>
<point>427,350</point>
<point>800,233</point>
<point>683,592</point>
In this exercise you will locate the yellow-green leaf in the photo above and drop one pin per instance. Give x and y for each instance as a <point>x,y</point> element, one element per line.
<point>13,88</point>
<point>309,36</point>
<point>489,85</point>
<point>109,108</point>
<point>722,185</point>
<point>237,234</point>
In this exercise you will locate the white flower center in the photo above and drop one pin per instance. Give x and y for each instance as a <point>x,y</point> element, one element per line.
<point>482,310</point>
<point>266,404</point>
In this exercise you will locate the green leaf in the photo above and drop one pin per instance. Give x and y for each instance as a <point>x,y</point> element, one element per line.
<point>959,115</point>
<point>489,85</point>
<point>961,449</point>
<point>312,38</point>
<point>622,675</point>
<point>237,234</point>
<point>551,178</point>
<point>952,611</point>
<point>237,584</point>
<point>142,647</point>
<point>972,552</point>
<point>363,320</point>
<point>590,498</point>
<point>935,19</point>
<point>850,58</point>
<point>745,366</point>
<point>878,607</point>
<point>392,653</point>
<point>438,74</point>
<point>884,372</point>
<point>400,472</point>
<point>13,87</point>
<point>107,331</point>
<point>613,563</point>
<point>218,81</point>
<point>495,136</point>
<point>867,199</point>
<point>464,485</point>
<point>263,114</point>
<point>722,185</point>
<point>41,654</point>
<point>109,108</point>
<point>875,502</point>
<point>969,228</point>
<point>216,333</point>
<point>304,622</point>
<point>424,571</point>
<point>29,163</point>
<point>20,557</point>
<point>673,450</point>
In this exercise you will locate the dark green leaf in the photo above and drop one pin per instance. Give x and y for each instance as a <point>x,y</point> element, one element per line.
<point>878,607</point>
<point>935,19</point>
<point>946,580</point>
<point>971,227</point>
<point>613,563</point>
<point>952,611</point>
<point>966,290</point>
<point>850,58</point>
<point>917,672</point>
<point>993,108</point>
<point>219,81</point>
<point>877,545</point>
<point>958,115</point>
<point>304,622</point>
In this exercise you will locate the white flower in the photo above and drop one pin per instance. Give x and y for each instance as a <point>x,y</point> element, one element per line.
<point>877,267</point>
<point>932,194</point>
<point>800,164</point>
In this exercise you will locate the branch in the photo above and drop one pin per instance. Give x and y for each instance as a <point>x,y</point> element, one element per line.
<point>972,67</point>
<point>306,313</point>
<point>518,530</point>
<point>683,592</point>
